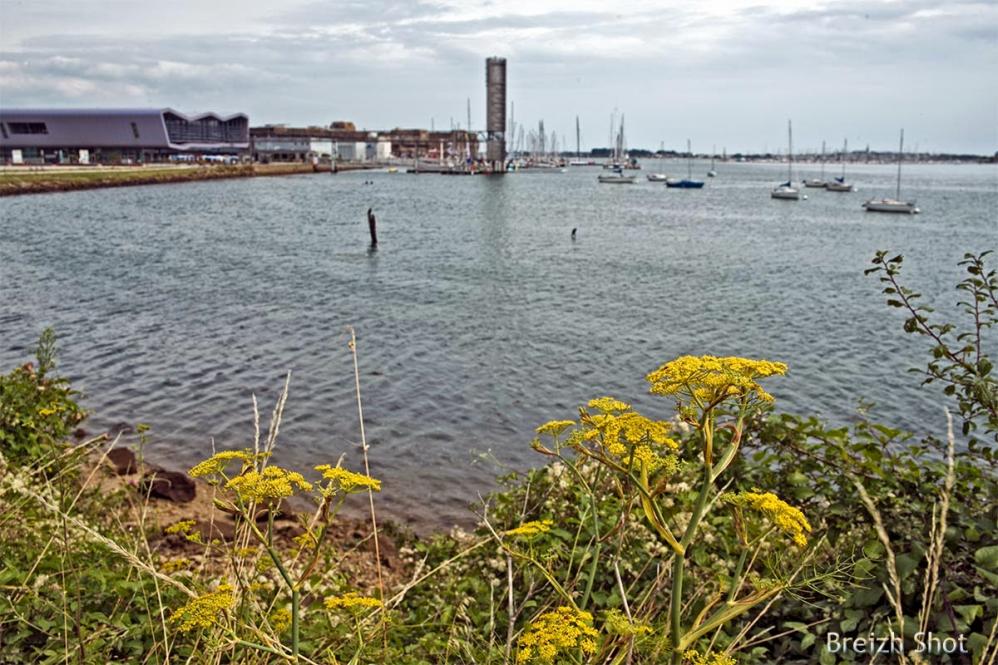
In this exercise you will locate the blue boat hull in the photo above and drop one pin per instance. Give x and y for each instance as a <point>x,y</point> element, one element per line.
<point>686,184</point>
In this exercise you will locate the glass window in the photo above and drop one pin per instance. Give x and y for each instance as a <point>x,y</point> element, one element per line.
<point>135,130</point>
<point>27,128</point>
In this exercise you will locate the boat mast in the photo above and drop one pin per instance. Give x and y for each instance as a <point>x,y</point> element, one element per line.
<point>713,154</point>
<point>822,160</point>
<point>790,154</point>
<point>578,141</point>
<point>689,161</point>
<point>897,196</point>
<point>845,151</point>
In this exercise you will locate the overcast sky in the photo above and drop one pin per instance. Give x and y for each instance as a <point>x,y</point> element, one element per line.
<point>719,72</point>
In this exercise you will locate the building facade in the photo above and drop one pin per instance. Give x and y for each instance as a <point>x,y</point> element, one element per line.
<point>103,136</point>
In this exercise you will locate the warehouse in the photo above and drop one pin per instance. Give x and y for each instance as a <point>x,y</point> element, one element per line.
<point>117,136</point>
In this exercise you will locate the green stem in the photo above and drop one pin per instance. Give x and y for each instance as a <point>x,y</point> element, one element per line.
<point>295,602</point>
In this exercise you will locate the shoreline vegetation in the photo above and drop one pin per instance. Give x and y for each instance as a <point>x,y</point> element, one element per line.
<point>26,180</point>
<point>723,533</point>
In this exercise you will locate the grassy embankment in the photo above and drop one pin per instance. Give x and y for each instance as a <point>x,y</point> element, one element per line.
<point>24,180</point>
<point>725,534</point>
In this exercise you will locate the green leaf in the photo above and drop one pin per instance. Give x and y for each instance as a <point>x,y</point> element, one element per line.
<point>987,557</point>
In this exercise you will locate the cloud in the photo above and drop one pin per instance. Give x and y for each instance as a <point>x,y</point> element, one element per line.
<point>716,67</point>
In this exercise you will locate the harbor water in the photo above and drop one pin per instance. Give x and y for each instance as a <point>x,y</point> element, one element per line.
<point>478,317</point>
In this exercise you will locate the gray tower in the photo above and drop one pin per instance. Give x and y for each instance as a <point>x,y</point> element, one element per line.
<point>495,120</point>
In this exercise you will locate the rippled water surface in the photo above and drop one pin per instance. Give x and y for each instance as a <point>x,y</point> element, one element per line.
<point>478,318</point>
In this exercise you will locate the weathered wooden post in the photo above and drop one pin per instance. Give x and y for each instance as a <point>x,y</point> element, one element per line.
<point>372,225</point>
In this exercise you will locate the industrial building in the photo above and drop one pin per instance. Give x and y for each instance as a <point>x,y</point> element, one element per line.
<point>341,141</point>
<point>115,136</point>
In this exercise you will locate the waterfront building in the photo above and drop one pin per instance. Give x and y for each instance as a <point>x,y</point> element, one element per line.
<point>118,136</point>
<point>279,143</point>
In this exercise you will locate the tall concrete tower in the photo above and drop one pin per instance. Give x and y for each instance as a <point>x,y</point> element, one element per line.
<point>495,118</point>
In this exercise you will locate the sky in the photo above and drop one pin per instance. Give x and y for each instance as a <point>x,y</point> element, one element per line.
<point>721,73</point>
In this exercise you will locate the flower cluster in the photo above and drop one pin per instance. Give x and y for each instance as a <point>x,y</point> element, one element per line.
<point>216,463</point>
<point>271,484</point>
<point>351,601</point>
<point>787,519</point>
<point>531,529</point>
<point>183,526</point>
<point>618,624</point>
<point>708,380</point>
<point>693,657</point>
<point>555,632</point>
<point>555,427</point>
<point>348,482</point>
<point>280,619</point>
<point>628,436</point>
<point>204,611</point>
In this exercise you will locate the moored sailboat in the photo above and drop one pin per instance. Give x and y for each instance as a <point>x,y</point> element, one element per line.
<point>895,204</point>
<point>787,191</point>
<point>688,182</point>
<point>818,182</point>
<point>839,184</point>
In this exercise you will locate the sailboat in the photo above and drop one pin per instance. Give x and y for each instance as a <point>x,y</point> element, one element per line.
<point>712,173</point>
<point>839,184</point>
<point>688,182</point>
<point>787,191</point>
<point>818,182</point>
<point>578,161</point>
<point>618,177</point>
<point>895,204</point>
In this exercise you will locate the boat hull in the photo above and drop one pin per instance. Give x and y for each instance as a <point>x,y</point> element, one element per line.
<point>684,184</point>
<point>890,205</point>
<point>617,179</point>
<point>815,183</point>
<point>657,177</point>
<point>838,187</point>
<point>785,193</point>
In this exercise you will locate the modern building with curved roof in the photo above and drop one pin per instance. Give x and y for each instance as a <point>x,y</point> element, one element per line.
<point>108,135</point>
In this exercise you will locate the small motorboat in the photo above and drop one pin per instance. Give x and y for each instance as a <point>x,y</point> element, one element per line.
<point>618,178</point>
<point>657,177</point>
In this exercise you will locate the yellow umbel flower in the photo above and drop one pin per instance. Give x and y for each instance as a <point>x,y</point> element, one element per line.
<point>608,404</point>
<point>618,624</point>
<point>348,482</point>
<point>217,462</point>
<point>204,611</point>
<point>555,427</point>
<point>787,519</point>
<point>708,379</point>
<point>555,632</point>
<point>531,529</point>
<point>351,601</point>
<point>280,619</point>
<point>271,484</point>
<point>693,657</point>
<point>183,526</point>
<point>629,434</point>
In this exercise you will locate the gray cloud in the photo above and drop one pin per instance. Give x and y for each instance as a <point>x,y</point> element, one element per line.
<point>723,74</point>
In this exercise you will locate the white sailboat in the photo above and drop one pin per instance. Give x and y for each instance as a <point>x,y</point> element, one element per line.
<point>787,191</point>
<point>895,204</point>
<point>818,182</point>
<point>618,177</point>
<point>839,184</point>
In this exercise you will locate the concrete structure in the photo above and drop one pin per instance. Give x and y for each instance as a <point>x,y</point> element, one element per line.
<point>495,113</point>
<point>278,143</point>
<point>351,151</point>
<point>74,136</point>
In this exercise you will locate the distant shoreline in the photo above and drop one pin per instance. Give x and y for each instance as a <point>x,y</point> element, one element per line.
<point>18,181</point>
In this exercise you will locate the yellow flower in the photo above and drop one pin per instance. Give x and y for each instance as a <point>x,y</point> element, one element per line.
<point>204,611</point>
<point>608,404</point>
<point>173,565</point>
<point>555,427</point>
<point>787,519</point>
<point>280,619</point>
<point>183,526</point>
<point>217,462</point>
<point>351,601</point>
<point>271,484</point>
<point>618,624</point>
<point>629,434</point>
<point>693,657</point>
<point>531,529</point>
<point>345,481</point>
<point>555,632</point>
<point>709,379</point>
